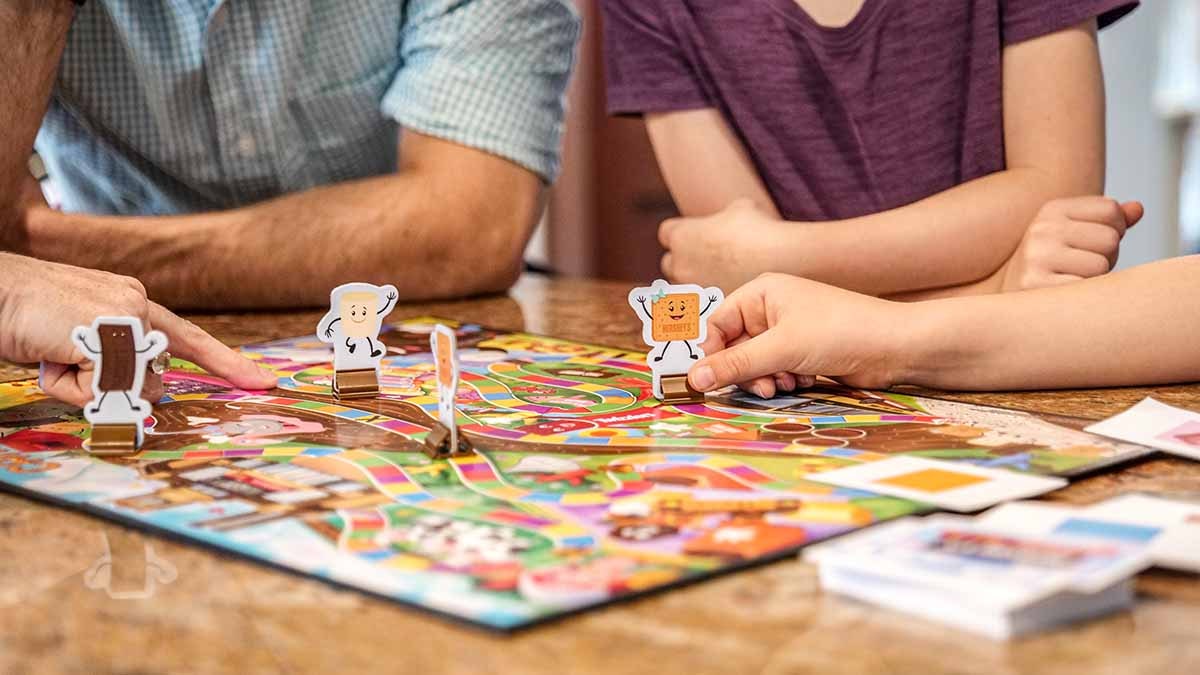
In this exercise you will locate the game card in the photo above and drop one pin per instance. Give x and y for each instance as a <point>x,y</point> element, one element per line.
<point>444,344</point>
<point>1178,546</point>
<point>1157,425</point>
<point>994,567</point>
<point>1160,524</point>
<point>949,485</point>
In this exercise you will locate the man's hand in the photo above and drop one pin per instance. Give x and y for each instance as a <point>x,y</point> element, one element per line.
<point>726,249</point>
<point>41,302</point>
<point>1070,240</point>
<point>779,331</point>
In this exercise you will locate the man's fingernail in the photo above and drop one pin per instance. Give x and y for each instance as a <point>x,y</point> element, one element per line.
<point>703,378</point>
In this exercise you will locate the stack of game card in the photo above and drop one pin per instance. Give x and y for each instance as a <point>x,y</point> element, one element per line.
<point>953,570</point>
<point>1019,568</point>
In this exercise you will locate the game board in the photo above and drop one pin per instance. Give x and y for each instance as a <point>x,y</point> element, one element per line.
<point>582,489</point>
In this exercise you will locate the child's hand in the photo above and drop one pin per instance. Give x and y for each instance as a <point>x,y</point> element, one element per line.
<point>1070,240</point>
<point>779,331</point>
<point>726,249</point>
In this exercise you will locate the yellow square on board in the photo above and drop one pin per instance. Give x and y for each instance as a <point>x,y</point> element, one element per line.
<point>933,480</point>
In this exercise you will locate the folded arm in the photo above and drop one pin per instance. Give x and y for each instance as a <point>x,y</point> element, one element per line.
<point>453,221</point>
<point>1053,101</point>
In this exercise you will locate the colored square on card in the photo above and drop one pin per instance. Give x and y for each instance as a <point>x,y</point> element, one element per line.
<point>1107,529</point>
<point>933,480</point>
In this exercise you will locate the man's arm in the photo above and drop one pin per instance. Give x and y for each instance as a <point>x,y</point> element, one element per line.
<point>33,34</point>
<point>453,221</point>
<point>1054,142</point>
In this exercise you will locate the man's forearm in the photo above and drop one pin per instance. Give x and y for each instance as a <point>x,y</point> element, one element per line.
<point>33,34</point>
<point>429,237</point>
<point>957,237</point>
<point>1138,326</point>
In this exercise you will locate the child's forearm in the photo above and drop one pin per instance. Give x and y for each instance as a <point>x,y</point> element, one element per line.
<point>958,237</point>
<point>1133,327</point>
<point>992,284</point>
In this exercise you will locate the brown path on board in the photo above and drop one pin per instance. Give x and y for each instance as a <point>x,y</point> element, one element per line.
<point>225,615</point>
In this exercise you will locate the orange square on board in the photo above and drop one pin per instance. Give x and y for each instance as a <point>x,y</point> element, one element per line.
<point>676,317</point>
<point>933,480</point>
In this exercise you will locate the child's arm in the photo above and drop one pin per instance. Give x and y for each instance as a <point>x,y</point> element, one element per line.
<point>1053,101</point>
<point>705,182</point>
<point>1137,326</point>
<point>1070,240</point>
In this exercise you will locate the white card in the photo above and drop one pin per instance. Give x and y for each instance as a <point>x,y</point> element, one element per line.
<point>949,485</point>
<point>444,344</point>
<point>1157,425</point>
<point>994,568</point>
<point>1178,547</point>
<point>674,323</point>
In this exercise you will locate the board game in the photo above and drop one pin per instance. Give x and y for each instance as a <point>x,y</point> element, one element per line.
<point>581,489</point>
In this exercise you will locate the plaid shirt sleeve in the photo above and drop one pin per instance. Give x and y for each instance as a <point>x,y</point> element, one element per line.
<point>488,74</point>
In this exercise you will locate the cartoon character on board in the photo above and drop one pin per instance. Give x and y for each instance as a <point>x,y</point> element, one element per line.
<point>352,326</point>
<point>670,314</point>
<point>444,345</point>
<point>122,354</point>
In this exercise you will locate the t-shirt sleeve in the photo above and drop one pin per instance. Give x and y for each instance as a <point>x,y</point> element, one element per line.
<point>487,74</point>
<point>1028,19</point>
<point>646,66</point>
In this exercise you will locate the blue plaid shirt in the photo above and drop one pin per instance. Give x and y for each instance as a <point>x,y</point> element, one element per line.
<point>178,106</point>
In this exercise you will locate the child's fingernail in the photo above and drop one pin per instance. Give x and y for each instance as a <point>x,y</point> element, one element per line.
<point>761,391</point>
<point>703,378</point>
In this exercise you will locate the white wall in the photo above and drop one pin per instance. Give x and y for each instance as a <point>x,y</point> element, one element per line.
<point>1141,146</point>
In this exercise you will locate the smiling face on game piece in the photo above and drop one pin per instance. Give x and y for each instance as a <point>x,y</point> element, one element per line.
<point>677,317</point>
<point>358,314</point>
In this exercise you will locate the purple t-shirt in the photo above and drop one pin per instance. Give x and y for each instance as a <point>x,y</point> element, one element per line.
<point>900,104</point>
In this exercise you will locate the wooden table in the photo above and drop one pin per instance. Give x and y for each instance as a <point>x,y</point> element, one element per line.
<point>228,615</point>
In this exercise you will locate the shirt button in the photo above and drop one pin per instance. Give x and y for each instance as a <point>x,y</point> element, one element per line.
<point>246,145</point>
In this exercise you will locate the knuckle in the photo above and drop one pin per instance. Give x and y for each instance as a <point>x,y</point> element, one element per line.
<point>131,302</point>
<point>737,364</point>
<point>1043,229</point>
<point>1112,209</point>
<point>1053,207</point>
<point>1111,240</point>
<point>136,285</point>
<point>1039,254</point>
